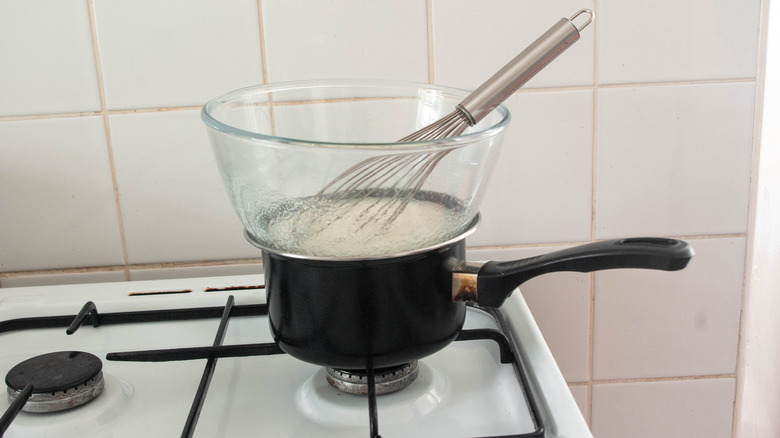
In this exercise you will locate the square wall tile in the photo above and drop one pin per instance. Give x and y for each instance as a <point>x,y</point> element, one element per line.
<point>473,40</point>
<point>540,191</point>
<point>560,304</point>
<point>308,39</point>
<point>674,160</point>
<point>47,61</point>
<point>582,397</point>
<point>663,324</point>
<point>671,409</point>
<point>176,52</point>
<point>174,205</point>
<point>677,41</point>
<point>58,206</point>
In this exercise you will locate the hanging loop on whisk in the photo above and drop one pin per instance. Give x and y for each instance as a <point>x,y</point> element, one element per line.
<point>591,15</point>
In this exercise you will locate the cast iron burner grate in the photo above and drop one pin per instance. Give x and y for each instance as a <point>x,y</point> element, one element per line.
<point>89,312</point>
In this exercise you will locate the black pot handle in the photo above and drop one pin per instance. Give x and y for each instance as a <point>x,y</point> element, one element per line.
<point>497,280</point>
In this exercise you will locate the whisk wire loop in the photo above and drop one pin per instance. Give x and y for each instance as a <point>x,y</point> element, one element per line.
<point>401,176</point>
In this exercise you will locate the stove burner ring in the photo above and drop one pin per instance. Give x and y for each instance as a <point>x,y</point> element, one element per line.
<point>386,380</point>
<point>61,380</point>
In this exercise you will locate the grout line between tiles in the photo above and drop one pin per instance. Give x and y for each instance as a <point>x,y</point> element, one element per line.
<point>98,113</point>
<point>107,127</point>
<point>49,116</point>
<point>673,83</point>
<point>271,103</point>
<point>127,267</point>
<point>591,342</point>
<point>87,270</point>
<point>595,88</point>
<point>572,243</point>
<point>207,263</point>
<point>597,382</point>
<point>261,24</point>
<point>711,236</point>
<point>594,175</point>
<point>263,60</point>
<point>738,415</point>
<point>153,109</point>
<point>429,36</point>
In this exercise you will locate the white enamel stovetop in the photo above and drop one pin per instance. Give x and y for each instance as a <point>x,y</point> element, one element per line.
<point>462,391</point>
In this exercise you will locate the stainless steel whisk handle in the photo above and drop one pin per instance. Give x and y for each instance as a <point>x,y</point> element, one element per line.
<point>523,67</point>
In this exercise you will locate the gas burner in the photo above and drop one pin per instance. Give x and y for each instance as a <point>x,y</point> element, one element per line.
<point>387,380</point>
<point>60,380</point>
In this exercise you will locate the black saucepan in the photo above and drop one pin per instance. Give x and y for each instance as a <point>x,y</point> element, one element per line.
<point>341,313</point>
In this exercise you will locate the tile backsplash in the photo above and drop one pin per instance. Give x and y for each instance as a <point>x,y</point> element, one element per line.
<point>644,127</point>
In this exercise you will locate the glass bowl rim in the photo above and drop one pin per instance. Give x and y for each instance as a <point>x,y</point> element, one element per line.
<point>450,142</point>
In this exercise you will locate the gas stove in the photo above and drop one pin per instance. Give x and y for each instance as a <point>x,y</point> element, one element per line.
<point>195,357</point>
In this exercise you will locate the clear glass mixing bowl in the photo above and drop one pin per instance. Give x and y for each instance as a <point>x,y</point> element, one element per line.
<point>279,145</point>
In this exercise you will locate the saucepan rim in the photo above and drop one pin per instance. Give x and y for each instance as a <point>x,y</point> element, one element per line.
<point>471,228</point>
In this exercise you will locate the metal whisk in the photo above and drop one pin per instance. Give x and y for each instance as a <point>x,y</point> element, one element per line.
<point>394,180</point>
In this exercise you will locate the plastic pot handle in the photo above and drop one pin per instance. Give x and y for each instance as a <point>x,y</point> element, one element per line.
<point>497,280</point>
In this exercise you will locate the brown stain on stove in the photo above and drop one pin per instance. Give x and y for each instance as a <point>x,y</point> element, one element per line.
<point>160,292</point>
<point>232,288</point>
<point>186,291</point>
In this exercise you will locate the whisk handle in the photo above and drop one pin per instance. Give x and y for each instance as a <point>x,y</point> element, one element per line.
<point>522,68</point>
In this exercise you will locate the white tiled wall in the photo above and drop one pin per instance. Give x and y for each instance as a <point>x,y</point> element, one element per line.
<point>644,127</point>
<point>171,197</point>
<point>48,65</point>
<point>175,52</point>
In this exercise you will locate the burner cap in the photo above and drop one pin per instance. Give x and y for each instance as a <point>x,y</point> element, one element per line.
<point>60,380</point>
<point>386,380</point>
